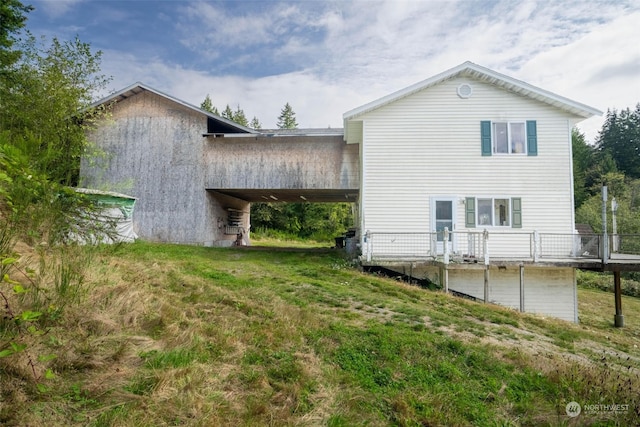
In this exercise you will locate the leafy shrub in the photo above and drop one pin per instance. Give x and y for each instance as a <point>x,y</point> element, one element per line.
<point>604,282</point>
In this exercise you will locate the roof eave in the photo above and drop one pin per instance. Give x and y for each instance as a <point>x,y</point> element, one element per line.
<point>138,87</point>
<point>484,74</point>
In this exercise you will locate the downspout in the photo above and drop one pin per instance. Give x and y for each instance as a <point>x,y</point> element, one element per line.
<point>362,191</point>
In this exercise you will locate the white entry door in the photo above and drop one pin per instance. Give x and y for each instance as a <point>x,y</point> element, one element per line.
<point>443,214</point>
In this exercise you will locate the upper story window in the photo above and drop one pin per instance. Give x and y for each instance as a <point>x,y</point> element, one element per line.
<point>509,138</point>
<point>517,137</point>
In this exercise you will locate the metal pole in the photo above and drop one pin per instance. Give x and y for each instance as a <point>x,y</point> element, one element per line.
<point>522,288</point>
<point>486,284</point>
<point>605,238</point>
<point>614,225</point>
<point>618,319</point>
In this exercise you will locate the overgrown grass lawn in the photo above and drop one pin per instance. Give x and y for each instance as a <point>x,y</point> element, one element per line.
<point>178,335</point>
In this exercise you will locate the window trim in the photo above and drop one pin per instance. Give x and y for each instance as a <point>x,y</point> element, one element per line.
<point>514,216</point>
<point>510,144</point>
<point>494,214</point>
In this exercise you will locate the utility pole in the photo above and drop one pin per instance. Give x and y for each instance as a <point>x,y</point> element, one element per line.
<point>614,226</point>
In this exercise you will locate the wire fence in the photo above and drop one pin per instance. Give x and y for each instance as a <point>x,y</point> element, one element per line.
<point>628,244</point>
<point>501,245</point>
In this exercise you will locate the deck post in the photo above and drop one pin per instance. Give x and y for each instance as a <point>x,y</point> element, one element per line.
<point>445,245</point>
<point>446,279</point>
<point>485,243</point>
<point>485,246</point>
<point>486,284</point>
<point>618,319</point>
<point>522,288</point>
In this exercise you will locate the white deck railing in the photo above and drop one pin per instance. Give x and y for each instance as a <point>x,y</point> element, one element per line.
<point>481,246</point>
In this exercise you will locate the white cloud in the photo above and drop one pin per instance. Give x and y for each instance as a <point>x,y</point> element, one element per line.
<point>207,28</point>
<point>350,53</point>
<point>601,69</point>
<point>56,8</point>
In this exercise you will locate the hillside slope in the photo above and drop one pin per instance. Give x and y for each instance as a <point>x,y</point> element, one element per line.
<point>178,335</point>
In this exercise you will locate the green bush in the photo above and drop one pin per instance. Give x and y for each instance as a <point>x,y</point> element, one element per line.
<point>316,221</point>
<point>604,282</point>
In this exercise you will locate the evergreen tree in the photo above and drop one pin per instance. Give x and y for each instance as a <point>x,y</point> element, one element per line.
<point>287,118</point>
<point>12,19</point>
<point>239,117</point>
<point>620,139</point>
<point>227,113</point>
<point>255,123</point>
<point>207,105</point>
<point>583,159</point>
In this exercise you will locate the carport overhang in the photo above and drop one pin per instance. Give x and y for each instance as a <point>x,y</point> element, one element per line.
<point>287,195</point>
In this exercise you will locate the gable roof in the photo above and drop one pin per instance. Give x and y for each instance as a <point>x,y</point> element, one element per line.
<point>469,69</point>
<point>139,87</point>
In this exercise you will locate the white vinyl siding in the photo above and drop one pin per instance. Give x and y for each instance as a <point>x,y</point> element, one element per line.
<point>353,132</point>
<point>427,144</point>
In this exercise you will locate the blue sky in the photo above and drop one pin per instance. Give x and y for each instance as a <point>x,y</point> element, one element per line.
<point>327,57</point>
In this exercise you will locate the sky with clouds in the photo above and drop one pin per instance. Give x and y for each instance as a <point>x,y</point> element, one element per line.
<point>328,57</point>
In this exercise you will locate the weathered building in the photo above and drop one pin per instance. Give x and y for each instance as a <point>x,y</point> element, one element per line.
<point>194,173</point>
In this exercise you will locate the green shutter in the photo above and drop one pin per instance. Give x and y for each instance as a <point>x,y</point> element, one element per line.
<point>470,212</point>
<point>532,138</point>
<point>516,212</point>
<point>485,137</point>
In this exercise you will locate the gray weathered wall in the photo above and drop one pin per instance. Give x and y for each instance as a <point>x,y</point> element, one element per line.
<point>285,162</point>
<point>154,152</point>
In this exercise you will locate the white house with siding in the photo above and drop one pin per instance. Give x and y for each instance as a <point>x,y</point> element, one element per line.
<point>479,154</point>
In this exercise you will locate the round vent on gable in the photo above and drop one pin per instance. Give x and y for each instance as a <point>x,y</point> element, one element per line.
<point>465,90</point>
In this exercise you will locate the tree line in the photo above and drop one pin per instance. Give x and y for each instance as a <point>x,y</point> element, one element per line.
<point>613,160</point>
<point>286,119</point>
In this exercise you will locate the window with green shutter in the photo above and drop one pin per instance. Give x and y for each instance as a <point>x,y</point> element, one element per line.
<point>493,212</point>
<point>510,137</point>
